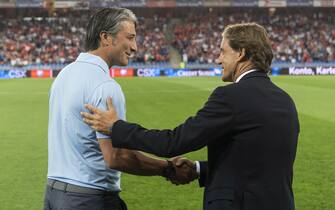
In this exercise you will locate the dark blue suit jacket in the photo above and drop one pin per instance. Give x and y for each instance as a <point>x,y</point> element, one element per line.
<point>251,130</point>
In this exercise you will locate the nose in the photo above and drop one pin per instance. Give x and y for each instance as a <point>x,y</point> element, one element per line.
<point>218,61</point>
<point>133,47</point>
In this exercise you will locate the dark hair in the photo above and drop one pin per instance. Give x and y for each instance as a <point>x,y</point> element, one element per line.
<point>106,20</point>
<point>254,39</point>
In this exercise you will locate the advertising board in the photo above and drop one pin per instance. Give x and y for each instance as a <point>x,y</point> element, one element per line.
<point>121,72</point>
<point>40,73</point>
<point>13,74</point>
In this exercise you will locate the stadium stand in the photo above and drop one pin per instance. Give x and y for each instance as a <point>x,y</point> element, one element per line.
<point>57,40</point>
<point>298,35</point>
<point>41,40</point>
<point>152,44</point>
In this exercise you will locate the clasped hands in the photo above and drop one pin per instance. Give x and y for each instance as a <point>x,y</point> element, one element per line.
<point>185,171</point>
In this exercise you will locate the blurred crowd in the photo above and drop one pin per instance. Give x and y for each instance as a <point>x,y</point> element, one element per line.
<point>295,37</point>
<point>60,40</point>
<point>40,40</point>
<point>152,46</point>
<point>303,38</point>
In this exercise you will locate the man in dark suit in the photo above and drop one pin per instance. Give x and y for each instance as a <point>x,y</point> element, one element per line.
<point>250,127</point>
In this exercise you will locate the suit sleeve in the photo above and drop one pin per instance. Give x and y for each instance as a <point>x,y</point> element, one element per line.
<point>210,124</point>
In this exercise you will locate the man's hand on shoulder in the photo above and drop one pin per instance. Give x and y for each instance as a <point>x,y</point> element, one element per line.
<point>99,120</point>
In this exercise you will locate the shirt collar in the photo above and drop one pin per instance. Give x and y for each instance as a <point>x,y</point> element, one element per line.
<point>245,73</point>
<point>94,59</point>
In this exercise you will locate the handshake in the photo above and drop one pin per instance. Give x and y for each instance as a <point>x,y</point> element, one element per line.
<point>180,171</point>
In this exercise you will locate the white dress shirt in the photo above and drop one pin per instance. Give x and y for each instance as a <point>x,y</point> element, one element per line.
<point>242,75</point>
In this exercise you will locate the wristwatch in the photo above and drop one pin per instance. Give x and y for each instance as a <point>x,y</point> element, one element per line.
<point>169,170</point>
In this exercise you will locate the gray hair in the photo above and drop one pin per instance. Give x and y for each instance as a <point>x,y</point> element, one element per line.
<point>106,20</point>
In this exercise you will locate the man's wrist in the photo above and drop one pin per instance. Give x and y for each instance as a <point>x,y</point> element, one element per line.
<point>168,170</point>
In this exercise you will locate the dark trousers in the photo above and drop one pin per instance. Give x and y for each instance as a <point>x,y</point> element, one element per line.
<point>61,200</point>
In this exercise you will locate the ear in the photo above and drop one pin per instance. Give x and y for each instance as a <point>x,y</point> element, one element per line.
<point>241,55</point>
<point>104,39</point>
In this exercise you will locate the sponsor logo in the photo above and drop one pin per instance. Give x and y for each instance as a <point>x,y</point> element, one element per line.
<point>325,70</point>
<point>41,73</point>
<point>16,74</point>
<point>319,70</point>
<point>121,72</point>
<point>148,72</point>
<point>301,71</point>
<point>200,73</point>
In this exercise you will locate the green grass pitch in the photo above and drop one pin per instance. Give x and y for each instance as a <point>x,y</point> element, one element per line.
<point>161,103</point>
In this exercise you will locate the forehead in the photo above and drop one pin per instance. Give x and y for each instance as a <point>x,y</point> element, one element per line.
<point>224,43</point>
<point>127,27</point>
